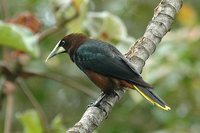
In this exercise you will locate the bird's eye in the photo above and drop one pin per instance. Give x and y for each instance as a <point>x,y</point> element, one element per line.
<point>62,43</point>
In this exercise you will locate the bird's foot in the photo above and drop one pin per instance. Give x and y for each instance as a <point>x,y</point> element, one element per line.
<point>97,102</point>
<point>93,104</point>
<point>116,93</point>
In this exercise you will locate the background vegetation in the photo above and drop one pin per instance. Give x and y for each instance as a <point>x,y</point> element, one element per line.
<point>51,97</point>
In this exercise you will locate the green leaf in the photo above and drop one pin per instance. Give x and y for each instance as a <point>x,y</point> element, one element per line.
<point>57,126</point>
<point>18,37</point>
<point>30,121</point>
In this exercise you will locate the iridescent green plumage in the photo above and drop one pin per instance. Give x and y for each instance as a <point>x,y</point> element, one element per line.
<point>106,66</point>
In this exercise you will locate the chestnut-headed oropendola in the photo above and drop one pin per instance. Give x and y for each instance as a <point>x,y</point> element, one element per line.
<point>105,66</point>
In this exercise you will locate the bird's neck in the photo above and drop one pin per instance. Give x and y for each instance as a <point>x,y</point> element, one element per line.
<point>74,44</point>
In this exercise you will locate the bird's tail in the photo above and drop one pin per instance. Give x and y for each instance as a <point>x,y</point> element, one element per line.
<point>152,97</point>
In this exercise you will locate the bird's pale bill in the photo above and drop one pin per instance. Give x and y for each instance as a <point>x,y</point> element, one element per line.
<point>56,50</point>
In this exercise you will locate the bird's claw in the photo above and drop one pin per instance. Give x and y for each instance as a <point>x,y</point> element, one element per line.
<point>97,104</point>
<point>116,94</point>
<point>93,104</point>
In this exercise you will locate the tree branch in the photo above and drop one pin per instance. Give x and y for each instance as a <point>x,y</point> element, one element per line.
<point>164,14</point>
<point>2,94</point>
<point>20,82</point>
<point>61,79</point>
<point>5,9</point>
<point>9,90</point>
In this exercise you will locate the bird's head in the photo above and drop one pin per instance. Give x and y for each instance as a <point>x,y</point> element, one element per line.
<point>68,44</point>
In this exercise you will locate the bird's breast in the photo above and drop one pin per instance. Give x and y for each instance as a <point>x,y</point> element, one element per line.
<point>105,83</point>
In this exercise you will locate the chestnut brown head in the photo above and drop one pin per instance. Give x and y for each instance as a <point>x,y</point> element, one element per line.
<point>68,44</point>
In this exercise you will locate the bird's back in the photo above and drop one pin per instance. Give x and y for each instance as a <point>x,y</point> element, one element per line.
<point>105,59</point>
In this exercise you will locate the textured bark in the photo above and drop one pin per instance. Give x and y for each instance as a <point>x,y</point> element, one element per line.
<point>139,52</point>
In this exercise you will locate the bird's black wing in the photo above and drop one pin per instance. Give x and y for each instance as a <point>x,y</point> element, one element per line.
<point>105,59</point>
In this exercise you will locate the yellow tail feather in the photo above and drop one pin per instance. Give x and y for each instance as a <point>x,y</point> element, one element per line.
<point>151,100</point>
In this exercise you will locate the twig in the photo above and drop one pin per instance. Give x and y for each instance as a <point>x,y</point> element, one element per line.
<point>60,79</point>
<point>9,90</point>
<point>4,7</point>
<point>35,104</point>
<point>2,94</point>
<point>59,25</point>
<point>160,24</point>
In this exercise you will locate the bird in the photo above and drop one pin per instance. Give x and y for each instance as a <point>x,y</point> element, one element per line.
<point>105,66</point>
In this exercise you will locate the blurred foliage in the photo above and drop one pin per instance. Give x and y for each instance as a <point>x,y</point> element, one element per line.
<point>187,15</point>
<point>173,69</point>
<point>30,121</point>
<point>18,37</point>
